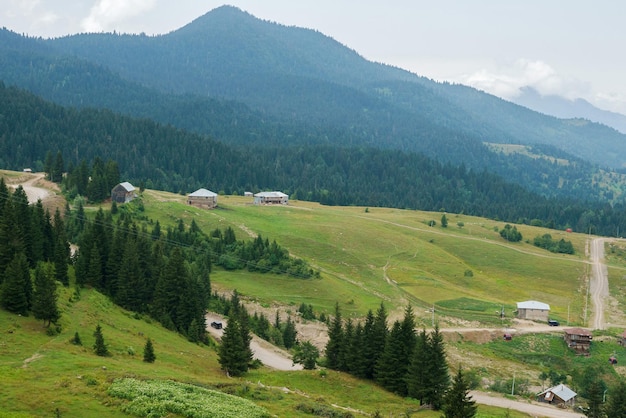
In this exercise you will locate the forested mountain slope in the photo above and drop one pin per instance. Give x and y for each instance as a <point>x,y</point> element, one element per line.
<point>162,157</point>
<point>300,74</point>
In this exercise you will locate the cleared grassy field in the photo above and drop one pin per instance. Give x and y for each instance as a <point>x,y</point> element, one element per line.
<point>393,256</point>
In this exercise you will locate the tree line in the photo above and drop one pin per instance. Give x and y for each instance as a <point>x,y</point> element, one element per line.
<point>161,157</point>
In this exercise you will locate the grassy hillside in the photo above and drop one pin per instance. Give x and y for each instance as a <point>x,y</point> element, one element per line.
<point>44,375</point>
<point>366,256</point>
<point>373,255</point>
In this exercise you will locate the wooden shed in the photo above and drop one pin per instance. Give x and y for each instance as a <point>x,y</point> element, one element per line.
<point>202,198</point>
<point>558,395</point>
<point>578,339</point>
<point>123,193</point>
<point>531,309</point>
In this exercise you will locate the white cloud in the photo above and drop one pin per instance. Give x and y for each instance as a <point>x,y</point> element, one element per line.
<point>105,14</point>
<point>506,82</point>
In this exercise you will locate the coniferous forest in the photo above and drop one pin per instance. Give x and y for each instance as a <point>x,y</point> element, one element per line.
<point>161,157</point>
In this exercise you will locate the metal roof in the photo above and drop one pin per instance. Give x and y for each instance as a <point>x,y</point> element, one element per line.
<point>562,391</point>
<point>203,193</point>
<point>127,186</point>
<point>533,304</point>
<point>271,194</point>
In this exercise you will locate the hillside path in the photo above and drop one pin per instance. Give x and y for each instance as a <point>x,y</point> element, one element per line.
<point>598,282</point>
<point>534,409</point>
<point>268,354</point>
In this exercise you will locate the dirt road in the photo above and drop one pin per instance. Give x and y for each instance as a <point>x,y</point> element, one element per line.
<point>598,283</point>
<point>33,192</point>
<point>268,354</point>
<point>534,409</point>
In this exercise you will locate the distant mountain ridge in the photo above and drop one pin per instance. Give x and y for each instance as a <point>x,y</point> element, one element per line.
<point>249,82</point>
<point>561,107</point>
<point>300,74</point>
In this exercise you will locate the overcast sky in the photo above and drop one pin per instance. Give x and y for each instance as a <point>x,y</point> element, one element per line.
<point>573,48</point>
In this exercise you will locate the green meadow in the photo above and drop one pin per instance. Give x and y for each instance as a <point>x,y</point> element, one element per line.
<point>365,256</point>
<point>371,255</point>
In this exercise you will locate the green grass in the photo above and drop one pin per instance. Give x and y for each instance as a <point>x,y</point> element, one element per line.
<point>391,255</point>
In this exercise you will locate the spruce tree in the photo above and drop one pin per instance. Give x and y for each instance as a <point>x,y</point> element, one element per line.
<point>616,405</point>
<point>45,296</point>
<point>417,378</point>
<point>391,368</point>
<point>99,346</point>
<point>16,290</point>
<point>233,356</point>
<point>594,400</point>
<point>438,370</point>
<point>457,403</point>
<point>148,352</point>
<point>334,346</point>
<point>289,333</point>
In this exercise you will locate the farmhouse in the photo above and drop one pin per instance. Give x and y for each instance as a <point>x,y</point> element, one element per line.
<point>531,309</point>
<point>271,198</point>
<point>578,339</point>
<point>123,193</point>
<point>202,198</point>
<point>558,395</point>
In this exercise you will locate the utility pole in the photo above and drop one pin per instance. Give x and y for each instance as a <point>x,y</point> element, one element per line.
<point>513,385</point>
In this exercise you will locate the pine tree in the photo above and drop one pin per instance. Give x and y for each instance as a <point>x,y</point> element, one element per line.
<point>76,339</point>
<point>438,370</point>
<point>417,378</point>
<point>232,351</point>
<point>616,405</point>
<point>289,333</point>
<point>148,352</point>
<point>457,403</point>
<point>16,290</point>
<point>334,346</point>
<point>99,346</point>
<point>45,296</point>
<point>594,400</point>
<point>391,368</point>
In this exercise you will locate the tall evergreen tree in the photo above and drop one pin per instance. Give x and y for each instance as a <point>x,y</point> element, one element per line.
<point>16,290</point>
<point>439,376</point>
<point>391,366</point>
<point>61,250</point>
<point>417,377</point>
<point>45,296</point>
<point>334,346</point>
<point>594,400</point>
<point>457,403</point>
<point>616,405</point>
<point>289,333</point>
<point>232,351</point>
<point>148,352</point>
<point>99,346</point>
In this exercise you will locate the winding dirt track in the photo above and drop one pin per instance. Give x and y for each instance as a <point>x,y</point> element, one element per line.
<point>598,283</point>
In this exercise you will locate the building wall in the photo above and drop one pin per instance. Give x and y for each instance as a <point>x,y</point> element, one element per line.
<point>533,314</point>
<point>202,202</point>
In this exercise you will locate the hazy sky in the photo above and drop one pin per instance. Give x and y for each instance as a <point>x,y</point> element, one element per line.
<point>573,48</point>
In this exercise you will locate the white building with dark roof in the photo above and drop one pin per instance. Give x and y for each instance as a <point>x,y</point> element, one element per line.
<point>202,198</point>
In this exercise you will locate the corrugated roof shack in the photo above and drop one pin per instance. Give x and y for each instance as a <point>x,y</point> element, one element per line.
<point>578,339</point>
<point>558,395</point>
<point>533,310</point>
<point>123,193</point>
<point>202,198</point>
<point>271,198</point>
